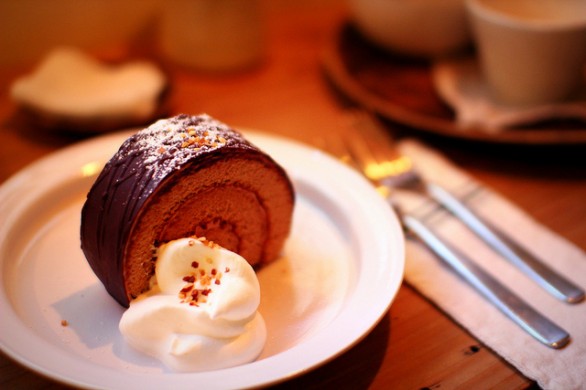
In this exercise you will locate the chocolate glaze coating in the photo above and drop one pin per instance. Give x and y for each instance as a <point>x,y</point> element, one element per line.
<point>142,164</point>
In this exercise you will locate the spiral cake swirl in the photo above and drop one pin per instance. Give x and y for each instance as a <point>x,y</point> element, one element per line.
<point>183,176</point>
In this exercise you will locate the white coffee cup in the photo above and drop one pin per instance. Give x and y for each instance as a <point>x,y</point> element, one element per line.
<point>212,35</point>
<point>531,51</point>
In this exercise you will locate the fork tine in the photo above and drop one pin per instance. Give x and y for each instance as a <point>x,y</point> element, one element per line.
<point>370,129</point>
<point>359,151</point>
<point>373,152</point>
<point>369,145</point>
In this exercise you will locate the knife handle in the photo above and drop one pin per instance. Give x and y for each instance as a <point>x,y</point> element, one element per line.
<point>538,271</point>
<point>529,319</point>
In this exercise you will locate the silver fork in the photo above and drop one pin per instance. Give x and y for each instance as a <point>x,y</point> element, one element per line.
<point>533,322</point>
<point>384,166</point>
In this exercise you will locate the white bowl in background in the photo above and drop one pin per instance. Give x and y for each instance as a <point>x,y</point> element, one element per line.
<point>421,28</point>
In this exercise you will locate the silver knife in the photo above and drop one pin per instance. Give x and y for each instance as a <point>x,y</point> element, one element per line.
<point>524,315</point>
<point>537,270</point>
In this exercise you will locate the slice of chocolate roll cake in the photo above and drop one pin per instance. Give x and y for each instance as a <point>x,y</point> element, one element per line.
<point>181,177</point>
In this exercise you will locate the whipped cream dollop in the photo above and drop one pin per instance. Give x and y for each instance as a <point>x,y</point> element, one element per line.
<point>201,311</point>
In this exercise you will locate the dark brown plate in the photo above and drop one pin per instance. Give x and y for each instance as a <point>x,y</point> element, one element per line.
<point>401,89</point>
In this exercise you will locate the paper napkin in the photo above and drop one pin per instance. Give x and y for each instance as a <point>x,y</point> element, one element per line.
<point>552,369</point>
<point>460,83</point>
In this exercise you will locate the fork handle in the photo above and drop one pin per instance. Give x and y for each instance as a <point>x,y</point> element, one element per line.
<point>529,319</point>
<point>546,277</point>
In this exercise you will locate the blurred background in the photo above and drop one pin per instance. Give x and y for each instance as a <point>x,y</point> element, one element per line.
<point>30,28</point>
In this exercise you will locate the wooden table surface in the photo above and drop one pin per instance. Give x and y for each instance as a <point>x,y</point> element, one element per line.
<point>415,346</point>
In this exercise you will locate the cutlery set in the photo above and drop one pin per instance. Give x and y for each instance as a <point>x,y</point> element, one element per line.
<point>369,149</point>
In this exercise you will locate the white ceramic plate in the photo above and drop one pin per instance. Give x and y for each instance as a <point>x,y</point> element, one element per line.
<point>341,269</point>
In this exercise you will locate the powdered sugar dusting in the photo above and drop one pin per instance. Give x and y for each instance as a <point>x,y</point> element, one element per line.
<point>168,143</point>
